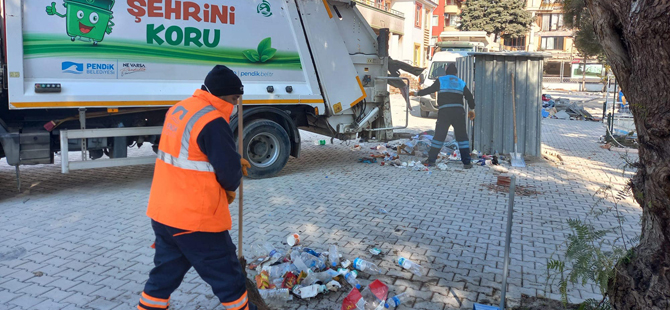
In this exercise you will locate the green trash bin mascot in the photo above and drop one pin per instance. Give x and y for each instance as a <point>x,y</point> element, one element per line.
<point>86,19</point>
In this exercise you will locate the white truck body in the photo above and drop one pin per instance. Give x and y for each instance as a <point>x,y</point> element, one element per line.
<point>312,64</point>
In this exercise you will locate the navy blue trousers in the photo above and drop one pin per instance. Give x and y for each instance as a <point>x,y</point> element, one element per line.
<point>212,255</point>
<point>447,117</point>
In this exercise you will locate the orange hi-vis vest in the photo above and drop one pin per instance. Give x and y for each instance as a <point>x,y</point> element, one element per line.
<point>185,193</point>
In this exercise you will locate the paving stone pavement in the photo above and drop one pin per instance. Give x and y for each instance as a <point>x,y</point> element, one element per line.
<point>82,241</point>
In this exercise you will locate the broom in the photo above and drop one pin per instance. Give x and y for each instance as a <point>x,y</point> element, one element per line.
<point>252,291</point>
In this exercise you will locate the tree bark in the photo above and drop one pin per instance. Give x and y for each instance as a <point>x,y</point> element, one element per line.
<point>636,37</point>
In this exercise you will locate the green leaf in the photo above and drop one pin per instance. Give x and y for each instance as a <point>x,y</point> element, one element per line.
<point>264,45</point>
<point>251,55</point>
<point>268,54</point>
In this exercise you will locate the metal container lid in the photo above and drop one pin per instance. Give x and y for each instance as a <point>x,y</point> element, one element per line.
<point>101,4</point>
<point>513,54</point>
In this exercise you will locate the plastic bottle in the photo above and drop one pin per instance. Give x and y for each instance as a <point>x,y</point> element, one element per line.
<point>333,256</point>
<point>410,265</point>
<point>396,300</point>
<point>299,263</point>
<point>278,271</point>
<point>310,251</point>
<point>351,279</point>
<point>313,262</point>
<point>276,293</point>
<point>273,253</point>
<point>366,266</point>
<point>369,300</point>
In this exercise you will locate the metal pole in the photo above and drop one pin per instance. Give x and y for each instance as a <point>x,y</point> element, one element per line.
<point>82,125</point>
<point>508,239</point>
<point>616,93</point>
<point>240,146</point>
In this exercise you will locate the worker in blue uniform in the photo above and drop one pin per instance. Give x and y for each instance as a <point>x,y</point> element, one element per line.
<point>451,91</point>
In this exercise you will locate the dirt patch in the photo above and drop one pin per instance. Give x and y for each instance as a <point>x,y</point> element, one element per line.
<point>535,303</point>
<point>519,190</point>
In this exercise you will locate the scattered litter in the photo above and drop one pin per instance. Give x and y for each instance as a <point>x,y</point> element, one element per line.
<point>293,240</point>
<point>351,300</point>
<point>276,294</point>
<point>38,273</point>
<point>383,211</point>
<point>375,251</point>
<point>333,286</point>
<point>346,263</point>
<point>351,279</point>
<point>373,297</point>
<point>607,146</point>
<point>519,190</point>
<point>397,300</point>
<point>562,115</point>
<point>311,291</point>
<point>499,169</point>
<point>319,142</point>
<point>410,266</point>
<point>442,166</point>
<point>366,266</point>
<point>367,160</point>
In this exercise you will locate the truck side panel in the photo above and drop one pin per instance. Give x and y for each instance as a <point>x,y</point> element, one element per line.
<point>154,53</point>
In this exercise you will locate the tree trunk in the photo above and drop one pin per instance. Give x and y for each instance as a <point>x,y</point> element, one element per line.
<point>636,37</point>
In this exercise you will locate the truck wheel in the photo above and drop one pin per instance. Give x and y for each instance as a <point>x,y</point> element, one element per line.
<point>266,147</point>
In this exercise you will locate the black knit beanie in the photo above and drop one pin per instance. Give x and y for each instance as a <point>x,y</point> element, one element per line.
<point>451,69</point>
<point>222,81</point>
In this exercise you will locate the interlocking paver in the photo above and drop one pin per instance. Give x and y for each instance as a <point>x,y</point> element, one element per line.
<point>87,234</point>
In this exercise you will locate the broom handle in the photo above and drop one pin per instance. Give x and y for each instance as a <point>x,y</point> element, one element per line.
<point>514,109</point>
<point>240,197</point>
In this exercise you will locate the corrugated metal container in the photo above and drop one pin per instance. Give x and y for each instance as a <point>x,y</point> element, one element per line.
<point>466,71</point>
<point>494,130</point>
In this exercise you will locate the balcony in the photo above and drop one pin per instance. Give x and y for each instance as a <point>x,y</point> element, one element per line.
<point>380,15</point>
<point>451,9</point>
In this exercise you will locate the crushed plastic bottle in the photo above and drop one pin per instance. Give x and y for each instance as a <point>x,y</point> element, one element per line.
<point>272,252</point>
<point>299,263</point>
<point>366,266</point>
<point>370,301</point>
<point>397,300</point>
<point>410,265</point>
<point>276,293</point>
<point>333,256</point>
<point>313,262</point>
<point>351,279</point>
<point>278,271</point>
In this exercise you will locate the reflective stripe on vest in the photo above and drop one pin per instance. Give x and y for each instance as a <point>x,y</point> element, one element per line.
<point>451,84</point>
<point>182,160</point>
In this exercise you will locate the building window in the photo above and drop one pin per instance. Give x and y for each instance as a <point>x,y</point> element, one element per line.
<point>551,43</point>
<point>451,20</point>
<point>450,2</point>
<point>455,20</point>
<point>552,22</point>
<point>417,15</point>
<point>436,20</point>
<point>417,55</point>
<point>516,43</point>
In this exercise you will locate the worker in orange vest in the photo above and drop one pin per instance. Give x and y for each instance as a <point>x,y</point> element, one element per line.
<point>197,172</point>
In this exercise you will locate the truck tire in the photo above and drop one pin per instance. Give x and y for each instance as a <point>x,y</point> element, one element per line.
<point>425,114</point>
<point>267,148</point>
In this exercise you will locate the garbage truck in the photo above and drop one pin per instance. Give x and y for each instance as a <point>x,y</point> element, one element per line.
<point>97,76</point>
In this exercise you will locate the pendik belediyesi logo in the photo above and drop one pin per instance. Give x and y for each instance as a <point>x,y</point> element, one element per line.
<point>86,20</point>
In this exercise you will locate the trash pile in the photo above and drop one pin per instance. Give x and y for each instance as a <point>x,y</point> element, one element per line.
<point>562,108</point>
<point>305,273</point>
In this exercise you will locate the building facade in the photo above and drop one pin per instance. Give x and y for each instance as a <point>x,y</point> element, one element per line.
<point>409,22</point>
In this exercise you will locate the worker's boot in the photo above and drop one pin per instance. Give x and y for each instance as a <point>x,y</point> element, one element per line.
<point>467,166</point>
<point>428,163</point>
